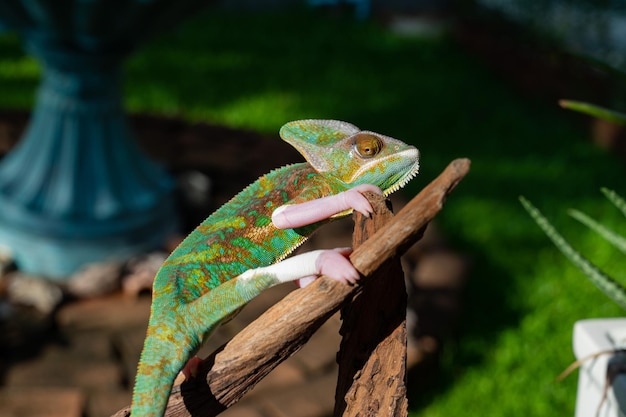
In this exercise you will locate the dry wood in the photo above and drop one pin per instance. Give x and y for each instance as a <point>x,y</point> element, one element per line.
<point>372,357</point>
<point>235,368</point>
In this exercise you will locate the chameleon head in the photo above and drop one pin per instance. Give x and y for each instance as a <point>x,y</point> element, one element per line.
<point>342,151</point>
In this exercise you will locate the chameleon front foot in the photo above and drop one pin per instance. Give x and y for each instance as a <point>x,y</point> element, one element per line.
<point>291,216</point>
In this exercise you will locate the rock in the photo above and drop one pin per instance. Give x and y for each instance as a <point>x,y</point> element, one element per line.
<point>96,279</point>
<point>35,401</point>
<point>23,332</point>
<point>33,291</point>
<point>141,272</point>
<point>6,260</point>
<point>107,314</point>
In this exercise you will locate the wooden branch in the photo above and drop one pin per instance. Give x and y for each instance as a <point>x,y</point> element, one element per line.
<point>372,356</point>
<point>238,366</point>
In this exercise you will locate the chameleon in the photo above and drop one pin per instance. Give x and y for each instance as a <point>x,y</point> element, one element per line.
<point>243,247</point>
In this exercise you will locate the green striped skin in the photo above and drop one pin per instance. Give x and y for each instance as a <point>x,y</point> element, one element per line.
<point>192,292</point>
<point>197,287</point>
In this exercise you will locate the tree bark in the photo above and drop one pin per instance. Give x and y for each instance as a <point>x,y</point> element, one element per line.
<point>372,357</point>
<point>239,365</point>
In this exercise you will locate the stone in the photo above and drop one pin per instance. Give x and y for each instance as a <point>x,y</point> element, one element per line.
<point>89,346</point>
<point>69,372</point>
<point>95,279</point>
<point>33,291</point>
<point>105,313</point>
<point>6,260</point>
<point>23,332</point>
<point>140,273</point>
<point>128,344</point>
<point>41,402</point>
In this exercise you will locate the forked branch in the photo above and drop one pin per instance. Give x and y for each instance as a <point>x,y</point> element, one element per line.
<point>235,368</point>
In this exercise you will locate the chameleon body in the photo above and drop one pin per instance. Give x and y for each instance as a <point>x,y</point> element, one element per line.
<point>239,250</point>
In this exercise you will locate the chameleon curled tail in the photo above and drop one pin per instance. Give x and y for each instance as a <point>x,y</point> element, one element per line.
<point>178,340</point>
<point>242,248</point>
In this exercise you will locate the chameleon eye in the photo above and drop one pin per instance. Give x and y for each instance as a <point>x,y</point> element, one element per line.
<point>367,146</point>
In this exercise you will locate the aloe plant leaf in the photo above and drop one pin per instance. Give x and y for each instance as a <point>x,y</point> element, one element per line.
<point>614,198</point>
<point>615,239</point>
<point>593,110</point>
<point>605,283</point>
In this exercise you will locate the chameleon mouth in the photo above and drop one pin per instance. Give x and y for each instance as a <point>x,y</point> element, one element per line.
<point>408,175</point>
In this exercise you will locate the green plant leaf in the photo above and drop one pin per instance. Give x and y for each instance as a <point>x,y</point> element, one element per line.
<point>615,239</point>
<point>614,198</point>
<point>606,284</point>
<point>596,111</point>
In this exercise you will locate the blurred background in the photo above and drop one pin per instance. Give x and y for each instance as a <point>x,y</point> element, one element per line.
<point>206,95</point>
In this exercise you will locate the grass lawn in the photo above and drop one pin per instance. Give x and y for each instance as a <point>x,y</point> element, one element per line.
<point>258,71</point>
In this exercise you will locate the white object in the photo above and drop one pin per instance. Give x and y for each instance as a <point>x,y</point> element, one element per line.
<point>592,337</point>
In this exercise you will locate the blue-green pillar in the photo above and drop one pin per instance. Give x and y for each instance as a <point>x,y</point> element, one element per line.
<point>76,188</point>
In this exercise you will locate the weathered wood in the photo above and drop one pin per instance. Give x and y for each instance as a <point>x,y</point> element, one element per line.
<point>372,357</point>
<point>236,367</point>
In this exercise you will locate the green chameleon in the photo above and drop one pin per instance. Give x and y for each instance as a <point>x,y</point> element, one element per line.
<point>240,250</point>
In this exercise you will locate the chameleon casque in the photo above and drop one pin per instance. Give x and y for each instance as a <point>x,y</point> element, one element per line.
<point>240,249</point>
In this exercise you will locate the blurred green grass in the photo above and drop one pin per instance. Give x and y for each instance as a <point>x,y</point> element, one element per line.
<point>259,70</point>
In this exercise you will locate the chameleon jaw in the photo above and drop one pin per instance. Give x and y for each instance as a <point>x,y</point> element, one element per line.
<point>403,181</point>
<point>408,176</point>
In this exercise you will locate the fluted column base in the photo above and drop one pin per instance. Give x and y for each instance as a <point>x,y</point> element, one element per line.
<point>56,258</point>
<point>76,188</point>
